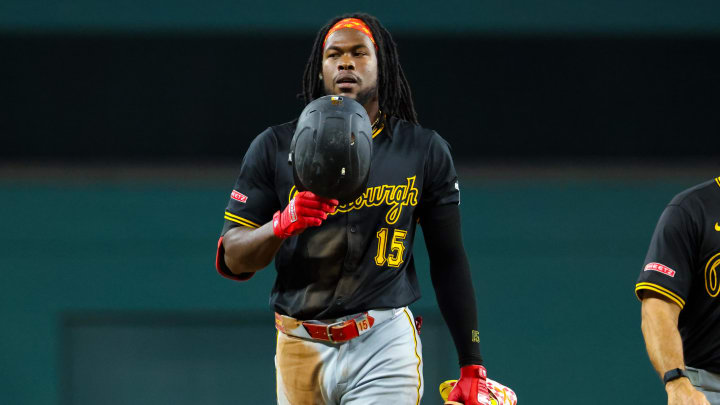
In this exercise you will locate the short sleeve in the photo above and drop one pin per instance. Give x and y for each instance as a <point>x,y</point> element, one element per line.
<point>669,264</point>
<point>253,199</point>
<point>441,182</point>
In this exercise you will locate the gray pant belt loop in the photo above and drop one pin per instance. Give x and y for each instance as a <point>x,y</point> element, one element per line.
<point>693,376</point>
<point>706,380</point>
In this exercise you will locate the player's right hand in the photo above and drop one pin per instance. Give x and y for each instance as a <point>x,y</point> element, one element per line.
<point>681,392</point>
<point>304,210</point>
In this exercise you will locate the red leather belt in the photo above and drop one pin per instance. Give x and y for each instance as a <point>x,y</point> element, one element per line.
<point>329,332</point>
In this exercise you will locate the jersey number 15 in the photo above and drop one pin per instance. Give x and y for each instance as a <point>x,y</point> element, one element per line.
<point>395,258</point>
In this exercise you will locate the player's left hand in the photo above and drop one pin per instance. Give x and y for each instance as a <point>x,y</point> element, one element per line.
<point>471,389</point>
<point>304,210</point>
<point>474,388</point>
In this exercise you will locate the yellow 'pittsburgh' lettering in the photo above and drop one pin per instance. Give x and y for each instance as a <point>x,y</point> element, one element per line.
<point>396,197</point>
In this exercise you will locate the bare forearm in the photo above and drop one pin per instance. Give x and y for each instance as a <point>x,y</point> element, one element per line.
<point>249,250</point>
<point>664,346</point>
<point>660,329</point>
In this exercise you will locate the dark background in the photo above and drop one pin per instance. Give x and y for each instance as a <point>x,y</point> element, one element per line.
<point>206,95</point>
<point>122,125</point>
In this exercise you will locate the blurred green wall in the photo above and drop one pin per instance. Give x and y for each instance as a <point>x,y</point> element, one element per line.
<point>108,289</point>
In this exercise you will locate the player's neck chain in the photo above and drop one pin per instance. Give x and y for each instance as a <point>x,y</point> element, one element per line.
<point>377,120</point>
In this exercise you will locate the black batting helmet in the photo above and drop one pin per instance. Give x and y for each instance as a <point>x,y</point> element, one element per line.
<point>331,149</point>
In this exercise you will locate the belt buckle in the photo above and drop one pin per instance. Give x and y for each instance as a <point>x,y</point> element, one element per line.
<point>329,332</point>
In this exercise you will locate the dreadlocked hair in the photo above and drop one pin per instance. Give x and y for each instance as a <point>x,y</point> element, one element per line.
<point>394,93</point>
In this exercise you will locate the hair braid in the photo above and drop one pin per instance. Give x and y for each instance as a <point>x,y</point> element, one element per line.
<point>395,96</point>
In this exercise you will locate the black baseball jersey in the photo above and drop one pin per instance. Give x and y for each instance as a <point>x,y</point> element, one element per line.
<point>360,258</point>
<point>683,263</point>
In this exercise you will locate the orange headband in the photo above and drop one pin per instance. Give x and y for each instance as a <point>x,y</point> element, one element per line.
<point>354,23</point>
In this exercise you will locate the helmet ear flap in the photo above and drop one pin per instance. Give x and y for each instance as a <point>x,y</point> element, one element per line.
<point>331,149</point>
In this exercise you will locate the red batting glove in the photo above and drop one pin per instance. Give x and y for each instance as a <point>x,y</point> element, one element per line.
<point>305,210</point>
<point>471,389</point>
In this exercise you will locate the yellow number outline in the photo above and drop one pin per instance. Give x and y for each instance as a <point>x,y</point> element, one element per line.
<point>382,246</point>
<point>711,279</point>
<point>397,247</point>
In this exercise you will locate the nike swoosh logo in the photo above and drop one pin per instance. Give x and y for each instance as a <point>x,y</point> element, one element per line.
<point>717,226</point>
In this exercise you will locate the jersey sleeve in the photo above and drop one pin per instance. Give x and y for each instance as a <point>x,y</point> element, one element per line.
<point>441,182</point>
<point>253,199</point>
<point>670,259</point>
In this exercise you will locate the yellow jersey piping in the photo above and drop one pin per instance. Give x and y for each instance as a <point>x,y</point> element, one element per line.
<point>412,325</point>
<point>661,290</point>
<point>378,130</point>
<point>240,220</point>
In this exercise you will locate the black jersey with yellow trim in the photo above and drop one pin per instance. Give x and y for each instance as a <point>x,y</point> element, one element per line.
<point>360,258</point>
<point>682,264</point>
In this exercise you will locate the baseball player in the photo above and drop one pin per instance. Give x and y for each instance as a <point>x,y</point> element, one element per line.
<point>679,287</point>
<point>345,272</point>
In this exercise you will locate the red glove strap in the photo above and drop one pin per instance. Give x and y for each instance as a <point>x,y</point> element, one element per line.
<point>471,389</point>
<point>303,211</point>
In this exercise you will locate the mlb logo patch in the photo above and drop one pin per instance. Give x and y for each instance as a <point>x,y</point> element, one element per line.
<point>661,268</point>
<point>238,196</point>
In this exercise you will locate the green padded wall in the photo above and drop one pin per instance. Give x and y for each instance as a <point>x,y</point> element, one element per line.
<point>111,285</point>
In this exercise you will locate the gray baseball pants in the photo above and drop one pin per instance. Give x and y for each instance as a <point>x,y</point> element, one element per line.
<point>706,382</point>
<point>381,366</point>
